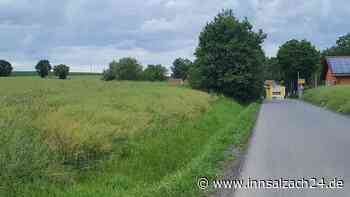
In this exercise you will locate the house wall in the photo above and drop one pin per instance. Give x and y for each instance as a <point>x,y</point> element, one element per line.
<point>330,79</point>
<point>343,80</point>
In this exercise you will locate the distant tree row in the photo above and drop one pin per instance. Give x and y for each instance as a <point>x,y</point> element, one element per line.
<point>229,60</point>
<point>130,69</point>
<point>43,68</point>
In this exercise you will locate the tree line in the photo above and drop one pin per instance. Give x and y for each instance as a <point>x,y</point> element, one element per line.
<point>129,68</point>
<point>229,60</point>
<point>43,68</point>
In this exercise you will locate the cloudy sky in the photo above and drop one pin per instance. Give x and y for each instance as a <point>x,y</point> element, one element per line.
<point>88,34</point>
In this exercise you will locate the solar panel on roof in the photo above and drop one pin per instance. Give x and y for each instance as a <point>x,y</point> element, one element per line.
<point>339,65</point>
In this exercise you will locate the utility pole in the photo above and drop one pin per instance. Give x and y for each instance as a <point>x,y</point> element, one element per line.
<point>301,83</point>
<point>316,82</point>
<point>298,84</point>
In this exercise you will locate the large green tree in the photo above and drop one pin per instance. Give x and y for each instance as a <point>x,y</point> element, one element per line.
<point>296,57</point>
<point>155,73</point>
<point>180,68</point>
<point>229,58</point>
<point>125,69</point>
<point>43,68</point>
<point>5,68</point>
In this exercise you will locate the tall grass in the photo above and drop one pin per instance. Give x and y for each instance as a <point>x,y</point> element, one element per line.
<point>335,98</point>
<point>84,137</point>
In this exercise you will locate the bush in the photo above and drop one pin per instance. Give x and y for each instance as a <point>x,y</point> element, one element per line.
<point>229,59</point>
<point>61,71</point>
<point>125,69</point>
<point>43,68</point>
<point>154,73</point>
<point>108,75</point>
<point>5,68</point>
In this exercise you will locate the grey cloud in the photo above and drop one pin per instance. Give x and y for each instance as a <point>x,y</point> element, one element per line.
<point>82,33</point>
<point>320,21</point>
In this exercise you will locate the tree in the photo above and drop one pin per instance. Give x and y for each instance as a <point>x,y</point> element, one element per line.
<point>272,69</point>
<point>43,68</point>
<point>229,58</point>
<point>61,71</point>
<point>125,69</point>
<point>342,47</point>
<point>155,73</point>
<point>108,75</point>
<point>5,68</point>
<point>180,68</point>
<point>298,57</point>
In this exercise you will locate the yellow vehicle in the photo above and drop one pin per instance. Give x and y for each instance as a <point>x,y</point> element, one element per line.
<point>274,91</point>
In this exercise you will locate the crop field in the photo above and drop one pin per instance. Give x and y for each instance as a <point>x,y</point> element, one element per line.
<point>86,137</point>
<point>335,98</point>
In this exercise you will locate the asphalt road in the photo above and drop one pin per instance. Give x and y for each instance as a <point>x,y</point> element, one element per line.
<point>295,140</point>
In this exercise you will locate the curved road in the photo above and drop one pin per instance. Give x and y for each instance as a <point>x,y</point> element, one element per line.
<point>295,140</point>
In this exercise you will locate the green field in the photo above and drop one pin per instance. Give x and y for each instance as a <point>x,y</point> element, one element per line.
<point>89,138</point>
<point>335,98</point>
<point>34,73</point>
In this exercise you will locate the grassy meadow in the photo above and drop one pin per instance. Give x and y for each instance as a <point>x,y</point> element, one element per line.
<point>34,73</point>
<point>90,138</point>
<point>335,98</point>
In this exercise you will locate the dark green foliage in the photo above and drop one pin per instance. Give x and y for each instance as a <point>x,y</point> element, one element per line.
<point>43,68</point>
<point>125,69</point>
<point>5,68</point>
<point>272,69</point>
<point>342,47</point>
<point>298,56</point>
<point>181,68</point>
<point>108,75</point>
<point>195,78</point>
<point>229,58</point>
<point>154,73</point>
<point>61,71</point>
